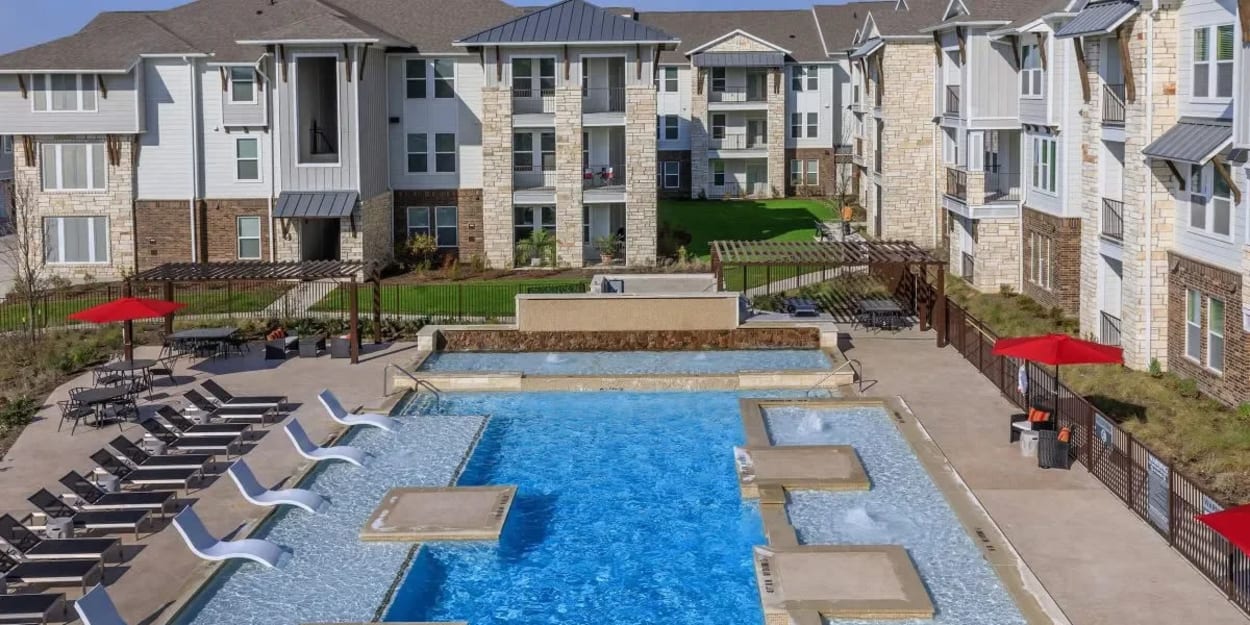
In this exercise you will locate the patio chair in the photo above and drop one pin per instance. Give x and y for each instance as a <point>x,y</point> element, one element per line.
<point>312,451</point>
<point>164,367</point>
<point>39,608</point>
<point>252,491</point>
<point>103,520</point>
<point>143,460</point>
<point>88,496</point>
<point>802,307</point>
<point>74,412</point>
<point>33,547</point>
<point>184,427</point>
<point>175,442</point>
<point>339,414</point>
<point>225,399</point>
<point>82,573</point>
<point>145,476</point>
<point>96,608</point>
<point>104,377</point>
<point>207,547</point>
<point>244,414</point>
<point>1053,448</point>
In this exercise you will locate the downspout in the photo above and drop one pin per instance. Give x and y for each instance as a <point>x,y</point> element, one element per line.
<point>271,117</point>
<point>1150,204</point>
<point>195,157</point>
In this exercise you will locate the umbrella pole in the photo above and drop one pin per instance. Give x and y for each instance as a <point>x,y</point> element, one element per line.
<point>128,331</point>
<point>1056,395</point>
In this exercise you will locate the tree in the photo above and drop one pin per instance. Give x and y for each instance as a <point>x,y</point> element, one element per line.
<point>21,251</point>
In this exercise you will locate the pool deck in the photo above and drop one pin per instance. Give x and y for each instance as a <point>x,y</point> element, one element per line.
<point>1095,558</point>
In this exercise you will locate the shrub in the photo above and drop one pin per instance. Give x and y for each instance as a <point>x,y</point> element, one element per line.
<point>1187,388</point>
<point>1156,369</point>
<point>17,413</point>
<point>418,252</point>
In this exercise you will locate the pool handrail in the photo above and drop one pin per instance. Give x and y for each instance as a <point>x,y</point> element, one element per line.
<point>418,383</point>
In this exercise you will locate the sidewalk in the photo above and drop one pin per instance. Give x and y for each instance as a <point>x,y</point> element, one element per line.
<point>1099,562</point>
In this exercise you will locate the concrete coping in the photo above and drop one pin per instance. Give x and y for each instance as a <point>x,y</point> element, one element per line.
<point>799,467</point>
<point>417,514</point>
<point>841,581</point>
<point>678,296</point>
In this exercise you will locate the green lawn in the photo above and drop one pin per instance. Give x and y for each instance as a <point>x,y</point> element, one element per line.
<point>54,310</point>
<point>476,298</point>
<point>744,220</point>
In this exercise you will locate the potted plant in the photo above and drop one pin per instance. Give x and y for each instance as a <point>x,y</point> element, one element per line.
<point>544,245</point>
<point>607,246</point>
<point>525,253</point>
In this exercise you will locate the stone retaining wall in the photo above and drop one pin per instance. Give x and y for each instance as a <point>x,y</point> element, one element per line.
<point>515,341</point>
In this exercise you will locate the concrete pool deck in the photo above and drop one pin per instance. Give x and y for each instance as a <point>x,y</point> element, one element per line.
<point>451,513</point>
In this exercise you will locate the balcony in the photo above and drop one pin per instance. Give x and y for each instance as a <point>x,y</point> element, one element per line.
<point>1108,329</point>
<point>530,101</point>
<point>738,142</point>
<point>532,177</point>
<point>1002,186</point>
<point>858,154</point>
<point>603,100</point>
<point>1113,105</point>
<point>857,103</point>
<point>603,176</point>
<point>1112,219</point>
<point>738,95</point>
<point>968,269</point>
<point>952,100</point>
<point>957,183</point>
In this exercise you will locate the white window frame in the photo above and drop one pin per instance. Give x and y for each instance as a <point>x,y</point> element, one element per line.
<point>1202,192</point>
<point>719,122</point>
<point>239,238</point>
<point>813,78</point>
<point>1041,260</point>
<point>713,79</point>
<point>423,79</point>
<point>1043,164</point>
<point>409,226</point>
<point>665,78</point>
<point>672,171</point>
<point>435,79</point>
<point>338,98</point>
<point>536,75</point>
<point>46,88</point>
<point>718,164</point>
<point>1032,74</point>
<point>1216,331</point>
<point>231,80</point>
<point>239,159</point>
<point>1193,325</point>
<point>439,225</point>
<point>813,125</point>
<point>796,172</point>
<point>811,172</point>
<point>672,122</point>
<point>1206,60</point>
<point>453,152</point>
<point>91,187</point>
<point>796,125</point>
<point>6,144</point>
<point>91,242</point>
<point>409,153</point>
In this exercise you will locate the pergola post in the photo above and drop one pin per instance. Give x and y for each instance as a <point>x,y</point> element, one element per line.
<point>128,326</point>
<point>168,295</point>
<point>353,332</point>
<point>377,311</point>
<point>939,305</point>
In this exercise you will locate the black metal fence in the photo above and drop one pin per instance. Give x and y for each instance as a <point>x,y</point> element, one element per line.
<point>1113,105</point>
<point>1113,219</point>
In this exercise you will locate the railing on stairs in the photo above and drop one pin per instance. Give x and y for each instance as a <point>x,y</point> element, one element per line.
<point>856,367</point>
<point>419,384</point>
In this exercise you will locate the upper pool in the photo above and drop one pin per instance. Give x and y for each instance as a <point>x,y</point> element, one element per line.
<point>630,363</point>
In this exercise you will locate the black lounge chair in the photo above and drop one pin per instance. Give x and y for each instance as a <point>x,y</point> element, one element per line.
<point>143,460</point>
<point>103,520</point>
<point>802,307</point>
<point>33,608</point>
<point>185,427</point>
<point>242,414</point>
<point>83,573</point>
<point>224,398</point>
<point>88,496</point>
<point>32,547</point>
<point>145,476</point>
<point>174,442</point>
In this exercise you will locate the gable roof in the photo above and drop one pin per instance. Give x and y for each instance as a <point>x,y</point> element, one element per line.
<point>735,33</point>
<point>794,30</point>
<point>905,20</point>
<point>111,42</point>
<point>838,23</point>
<point>568,21</point>
<point>1027,19</point>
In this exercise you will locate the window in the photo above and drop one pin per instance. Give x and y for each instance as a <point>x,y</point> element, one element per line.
<point>1044,176</point>
<point>813,125</point>
<point>672,174</point>
<point>446,226</point>
<point>670,127</point>
<point>718,80</point>
<point>813,172</point>
<point>63,92</point>
<point>547,143</point>
<point>813,78</point>
<point>527,219</point>
<point>445,152</point>
<point>718,173</point>
<point>414,78</point>
<point>247,159</point>
<point>1215,334</point>
<point>6,144</point>
<point>796,173</point>
<point>1040,260</point>
<point>523,151</point>
<point>796,125</point>
<point>796,78</point>
<point>1213,62</point>
<point>804,78</point>
<point>1211,200</point>
<point>418,160</point>
<point>73,166</point>
<point>249,238</point>
<point>418,221</point>
<point>445,78</point>
<point>1031,73</point>
<point>718,125</point>
<point>242,85</point>
<point>668,84</point>
<point>585,150</point>
<point>1193,324</point>
<point>75,240</point>
<point>533,78</point>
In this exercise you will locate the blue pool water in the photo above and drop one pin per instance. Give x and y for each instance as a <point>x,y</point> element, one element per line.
<point>627,512</point>
<point>626,363</point>
<point>903,507</point>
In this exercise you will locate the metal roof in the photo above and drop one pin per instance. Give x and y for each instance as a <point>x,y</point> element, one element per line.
<point>1192,140</point>
<point>316,204</point>
<point>568,21</point>
<point>738,59</point>
<point>1098,18</point>
<point>868,47</point>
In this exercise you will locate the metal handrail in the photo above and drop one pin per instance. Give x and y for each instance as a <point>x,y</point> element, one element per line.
<point>855,366</point>
<point>418,383</point>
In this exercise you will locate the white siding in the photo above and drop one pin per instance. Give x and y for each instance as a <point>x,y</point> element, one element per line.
<point>678,104</point>
<point>219,144</point>
<point>430,115</point>
<point>1205,246</point>
<point>820,102</point>
<point>296,177</point>
<point>990,67</point>
<point>165,169</point>
<point>1194,14</point>
<point>118,113</point>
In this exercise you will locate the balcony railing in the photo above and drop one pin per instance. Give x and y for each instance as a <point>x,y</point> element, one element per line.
<point>1113,105</point>
<point>957,183</point>
<point>1113,219</point>
<point>598,176</point>
<point>1108,329</point>
<point>969,267</point>
<point>533,101</point>
<point>532,177</point>
<point>952,99</point>
<point>603,99</point>
<point>1002,186</point>
<point>856,103</point>
<point>739,94</point>
<point>738,142</point>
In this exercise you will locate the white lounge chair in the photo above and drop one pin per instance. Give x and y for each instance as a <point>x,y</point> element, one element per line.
<point>312,451</point>
<point>261,496</point>
<point>205,546</point>
<point>96,608</point>
<point>340,415</point>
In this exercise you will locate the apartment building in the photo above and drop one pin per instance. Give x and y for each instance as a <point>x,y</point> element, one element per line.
<point>6,180</point>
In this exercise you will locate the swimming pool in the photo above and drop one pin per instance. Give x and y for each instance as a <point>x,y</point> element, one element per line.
<point>629,363</point>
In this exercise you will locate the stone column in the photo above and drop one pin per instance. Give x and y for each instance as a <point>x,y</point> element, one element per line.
<point>776,119</point>
<point>1091,183</point>
<point>641,223</point>
<point>910,166</point>
<point>569,176</point>
<point>698,132</point>
<point>997,254</point>
<point>497,233</point>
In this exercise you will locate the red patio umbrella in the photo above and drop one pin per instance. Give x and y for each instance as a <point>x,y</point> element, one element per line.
<point>1233,524</point>
<point>1056,350</point>
<point>126,310</point>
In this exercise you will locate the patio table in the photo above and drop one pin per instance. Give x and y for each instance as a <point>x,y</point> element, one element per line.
<point>197,337</point>
<point>98,398</point>
<point>879,312</point>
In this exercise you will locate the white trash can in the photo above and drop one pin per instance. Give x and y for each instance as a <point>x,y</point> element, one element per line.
<point>110,483</point>
<point>1028,443</point>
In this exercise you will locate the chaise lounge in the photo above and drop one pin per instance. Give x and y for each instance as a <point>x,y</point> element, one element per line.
<point>103,520</point>
<point>312,451</point>
<point>51,572</point>
<point>339,414</point>
<point>88,496</point>
<point>207,547</point>
<point>252,491</point>
<point>32,547</point>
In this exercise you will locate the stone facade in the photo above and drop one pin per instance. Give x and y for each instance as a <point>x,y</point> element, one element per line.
<point>1065,255</point>
<point>698,133</point>
<point>497,217</point>
<point>641,221</point>
<point>115,201</point>
<point>909,159</point>
<point>468,203</point>
<point>672,340</point>
<point>776,121</point>
<point>1091,180</point>
<point>997,254</point>
<point>1229,384</point>
<point>569,206</point>
<point>683,188</point>
<point>740,43</point>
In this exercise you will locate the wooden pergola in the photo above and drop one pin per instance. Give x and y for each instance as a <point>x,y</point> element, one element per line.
<point>347,271</point>
<point>902,255</point>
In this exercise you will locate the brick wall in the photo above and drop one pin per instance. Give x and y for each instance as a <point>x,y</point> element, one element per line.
<point>163,232</point>
<point>221,229</point>
<point>827,181</point>
<point>1229,386</point>
<point>468,203</point>
<point>683,189</point>
<point>1065,246</point>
